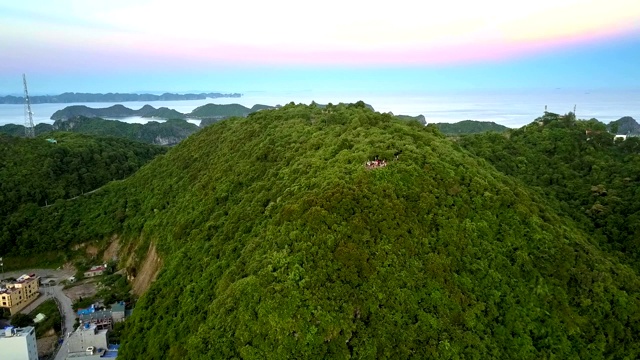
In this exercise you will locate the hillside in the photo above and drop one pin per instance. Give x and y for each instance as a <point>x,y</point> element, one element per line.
<point>35,172</point>
<point>470,127</point>
<point>71,97</point>
<point>576,163</point>
<point>277,242</point>
<point>169,132</point>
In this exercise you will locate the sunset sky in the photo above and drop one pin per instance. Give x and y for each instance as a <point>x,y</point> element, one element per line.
<point>281,45</point>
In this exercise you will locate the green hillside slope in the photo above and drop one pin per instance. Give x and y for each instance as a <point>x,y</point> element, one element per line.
<point>595,179</point>
<point>34,172</point>
<point>169,132</point>
<point>278,242</point>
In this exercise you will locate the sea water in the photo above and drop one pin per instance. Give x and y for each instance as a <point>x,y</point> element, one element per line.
<point>509,108</point>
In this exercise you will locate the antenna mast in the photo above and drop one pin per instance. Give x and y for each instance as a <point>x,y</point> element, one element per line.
<point>29,130</point>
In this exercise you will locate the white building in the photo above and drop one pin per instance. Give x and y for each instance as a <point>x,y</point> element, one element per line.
<point>18,344</point>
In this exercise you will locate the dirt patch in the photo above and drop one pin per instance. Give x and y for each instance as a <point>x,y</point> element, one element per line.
<point>83,290</point>
<point>148,271</point>
<point>111,253</point>
<point>46,345</point>
<point>69,267</point>
<point>92,251</point>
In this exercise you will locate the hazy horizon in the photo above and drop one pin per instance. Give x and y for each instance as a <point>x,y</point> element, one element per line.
<point>123,46</point>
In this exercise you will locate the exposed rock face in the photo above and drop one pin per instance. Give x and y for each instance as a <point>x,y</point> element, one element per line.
<point>625,125</point>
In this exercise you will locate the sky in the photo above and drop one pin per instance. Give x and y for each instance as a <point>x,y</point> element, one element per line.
<point>350,45</point>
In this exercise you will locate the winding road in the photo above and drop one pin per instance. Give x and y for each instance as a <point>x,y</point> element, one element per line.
<point>52,292</point>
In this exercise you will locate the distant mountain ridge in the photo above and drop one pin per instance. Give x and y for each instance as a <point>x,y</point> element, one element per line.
<point>71,97</point>
<point>209,111</point>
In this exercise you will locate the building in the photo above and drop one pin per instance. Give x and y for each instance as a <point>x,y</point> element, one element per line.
<point>86,336</point>
<point>18,344</point>
<point>91,353</point>
<point>103,319</point>
<point>118,312</point>
<point>15,296</point>
<point>96,270</point>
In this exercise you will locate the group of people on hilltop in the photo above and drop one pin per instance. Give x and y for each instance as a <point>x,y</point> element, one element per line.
<point>375,163</point>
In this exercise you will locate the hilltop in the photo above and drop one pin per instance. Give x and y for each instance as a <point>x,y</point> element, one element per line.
<point>276,241</point>
<point>470,127</point>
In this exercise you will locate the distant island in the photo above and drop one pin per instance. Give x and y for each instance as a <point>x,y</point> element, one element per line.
<point>624,126</point>
<point>70,97</point>
<point>208,113</point>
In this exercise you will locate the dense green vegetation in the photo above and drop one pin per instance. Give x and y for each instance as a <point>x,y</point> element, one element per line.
<point>470,127</point>
<point>35,172</point>
<point>419,118</point>
<point>278,243</point>
<point>18,130</point>
<point>577,164</point>
<point>52,320</point>
<point>169,132</point>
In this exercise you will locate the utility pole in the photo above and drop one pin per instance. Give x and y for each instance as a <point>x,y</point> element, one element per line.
<point>29,130</point>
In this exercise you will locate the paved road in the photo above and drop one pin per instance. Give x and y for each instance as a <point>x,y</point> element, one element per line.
<point>64,303</point>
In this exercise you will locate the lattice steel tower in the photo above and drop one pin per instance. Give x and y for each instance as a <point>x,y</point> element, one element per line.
<point>29,129</point>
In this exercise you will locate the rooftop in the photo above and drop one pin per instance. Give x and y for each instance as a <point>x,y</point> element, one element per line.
<point>16,332</point>
<point>97,268</point>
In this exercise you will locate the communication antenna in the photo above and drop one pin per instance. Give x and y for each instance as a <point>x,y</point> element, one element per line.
<point>574,112</point>
<point>29,130</point>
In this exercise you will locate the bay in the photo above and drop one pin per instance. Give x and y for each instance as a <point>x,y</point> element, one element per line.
<point>509,108</point>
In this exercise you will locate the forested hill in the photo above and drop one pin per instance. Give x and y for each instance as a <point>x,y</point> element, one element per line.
<point>34,172</point>
<point>576,163</point>
<point>278,242</point>
<point>71,97</point>
<point>168,132</point>
<point>470,127</point>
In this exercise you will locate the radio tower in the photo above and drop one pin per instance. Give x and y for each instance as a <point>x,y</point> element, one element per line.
<point>29,130</point>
